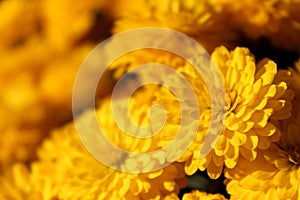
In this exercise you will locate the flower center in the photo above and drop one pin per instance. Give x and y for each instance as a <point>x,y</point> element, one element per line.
<point>232,101</point>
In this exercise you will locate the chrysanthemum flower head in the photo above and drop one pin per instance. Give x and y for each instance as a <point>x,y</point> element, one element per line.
<point>275,172</point>
<point>254,98</point>
<point>33,100</point>
<point>191,17</point>
<point>38,67</point>
<point>75,174</point>
<point>277,20</point>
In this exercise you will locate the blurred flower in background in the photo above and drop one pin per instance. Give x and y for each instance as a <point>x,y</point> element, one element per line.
<point>42,46</point>
<point>255,46</point>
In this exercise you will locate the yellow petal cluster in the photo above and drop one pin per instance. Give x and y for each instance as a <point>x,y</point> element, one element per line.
<point>191,17</point>
<point>40,92</point>
<point>277,20</point>
<point>198,195</point>
<point>43,156</point>
<point>15,183</point>
<point>65,170</point>
<point>41,48</point>
<point>275,172</point>
<point>255,98</point>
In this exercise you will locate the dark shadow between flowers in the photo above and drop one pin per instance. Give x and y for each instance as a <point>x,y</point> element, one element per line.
<point>201,181</point>
<point>263,48</point>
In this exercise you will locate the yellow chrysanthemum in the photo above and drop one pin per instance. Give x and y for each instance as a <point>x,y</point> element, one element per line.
<point>198,195</point>
<point>275,172</point>
<point>66,170</point>
<point>44,94</point>
<point>191,17</point>
<point>39,63</point>
<point>277,20</point>
<point>255,98</point>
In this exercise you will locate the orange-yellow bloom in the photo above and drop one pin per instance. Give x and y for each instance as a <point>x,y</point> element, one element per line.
<point>41,48</point>
<point>275,171</point>
<point>277,20</point>
<point>255,98</point>
<point>66,170</point>
<point>194,18</point>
